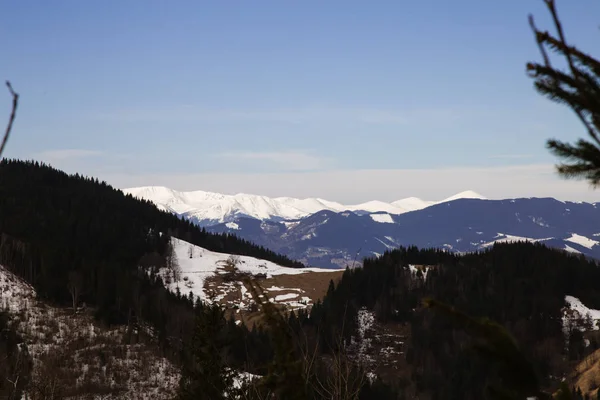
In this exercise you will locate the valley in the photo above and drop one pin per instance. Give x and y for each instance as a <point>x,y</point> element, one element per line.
<point>299,201</point>
<point>135,321</point>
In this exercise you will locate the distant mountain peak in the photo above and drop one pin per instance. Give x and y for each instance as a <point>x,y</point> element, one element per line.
<point>467,194</point>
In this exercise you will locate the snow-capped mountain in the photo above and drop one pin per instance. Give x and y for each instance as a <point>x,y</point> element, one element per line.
<point>207,208</point>
<point>336,239</point>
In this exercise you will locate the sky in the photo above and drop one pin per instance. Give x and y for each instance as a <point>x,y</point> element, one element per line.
<point>344,100</point>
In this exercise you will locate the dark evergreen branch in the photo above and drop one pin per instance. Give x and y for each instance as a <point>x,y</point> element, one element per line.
<point>544,37</point>
<point>13,114</point>
<point>579,88</point>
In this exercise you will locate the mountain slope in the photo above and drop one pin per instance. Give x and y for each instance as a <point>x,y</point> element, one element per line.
<point>207,208</point>
<point>77,240</point>
<point>332,239</point>
<point>219,277</point>
<point>76,357</point>
<point>540,295</point>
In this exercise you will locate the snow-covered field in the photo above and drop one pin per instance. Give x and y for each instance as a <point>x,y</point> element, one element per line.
<point>204,272</point>
<point>216,207</point>
<point>90,361</point>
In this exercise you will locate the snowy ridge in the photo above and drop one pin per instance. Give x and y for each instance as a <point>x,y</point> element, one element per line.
<point>505,238</point>
<point>217,208</point>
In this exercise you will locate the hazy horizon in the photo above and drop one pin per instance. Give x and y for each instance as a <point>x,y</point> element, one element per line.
<point>342,100</point>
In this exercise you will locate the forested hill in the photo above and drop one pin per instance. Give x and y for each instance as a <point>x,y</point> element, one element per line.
<point>52,223</point>
<point>522,286</point>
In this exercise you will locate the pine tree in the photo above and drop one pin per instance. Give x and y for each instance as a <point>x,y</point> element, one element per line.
<point>564,393</point>
<point>284,379</point>
<point>205,375</point>
<point>579,89</point>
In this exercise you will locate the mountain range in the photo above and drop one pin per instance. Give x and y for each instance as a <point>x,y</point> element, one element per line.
<point>331,239</point>
<point>208,208</point>
<point>336,236</point>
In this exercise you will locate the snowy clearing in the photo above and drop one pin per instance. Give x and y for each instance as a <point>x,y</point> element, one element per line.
<point>582,241</point>
<point>218,277</point>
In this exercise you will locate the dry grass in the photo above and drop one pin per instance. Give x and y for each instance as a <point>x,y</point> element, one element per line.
<point>302,291</point>
<point>587,374</point>
<point>312,284</point>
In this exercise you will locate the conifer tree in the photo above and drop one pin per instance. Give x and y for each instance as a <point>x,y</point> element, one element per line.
<point>579,88</point>
<point>205,375</point>
<point>284,379</point>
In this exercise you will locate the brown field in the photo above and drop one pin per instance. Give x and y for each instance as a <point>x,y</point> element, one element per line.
<point>228,291</point>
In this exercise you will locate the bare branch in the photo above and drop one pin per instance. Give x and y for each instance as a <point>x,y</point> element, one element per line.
<point>13,114</point>
<point>539,42</point>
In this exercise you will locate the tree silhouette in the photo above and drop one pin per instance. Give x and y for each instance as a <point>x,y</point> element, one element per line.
<point>579,88</point>
<point>516,378</point>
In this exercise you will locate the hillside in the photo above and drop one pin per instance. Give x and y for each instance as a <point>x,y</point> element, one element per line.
<point>542,296</point>
<point>218,278</point>
<point>78,241</point>
<point>53,224</point>
<point>207,208</point>
<point>72,356</point>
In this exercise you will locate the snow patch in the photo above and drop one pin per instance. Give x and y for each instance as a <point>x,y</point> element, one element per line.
<point>383,218</point>
<point>571,250</point>
<point>422,268</point>
<point>232,225</point>
<point>385,244</point>
<point>582,241</point>
<point>577,310</point>
<point>288,296</point>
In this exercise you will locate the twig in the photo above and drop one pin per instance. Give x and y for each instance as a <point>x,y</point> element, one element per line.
<point>536,32</point>
<point>13,114</point>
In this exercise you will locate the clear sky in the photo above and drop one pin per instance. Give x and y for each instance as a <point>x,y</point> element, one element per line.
<point>345,100</point>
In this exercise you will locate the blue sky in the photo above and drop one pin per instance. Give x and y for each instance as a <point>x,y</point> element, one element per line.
<point>277,97</point>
